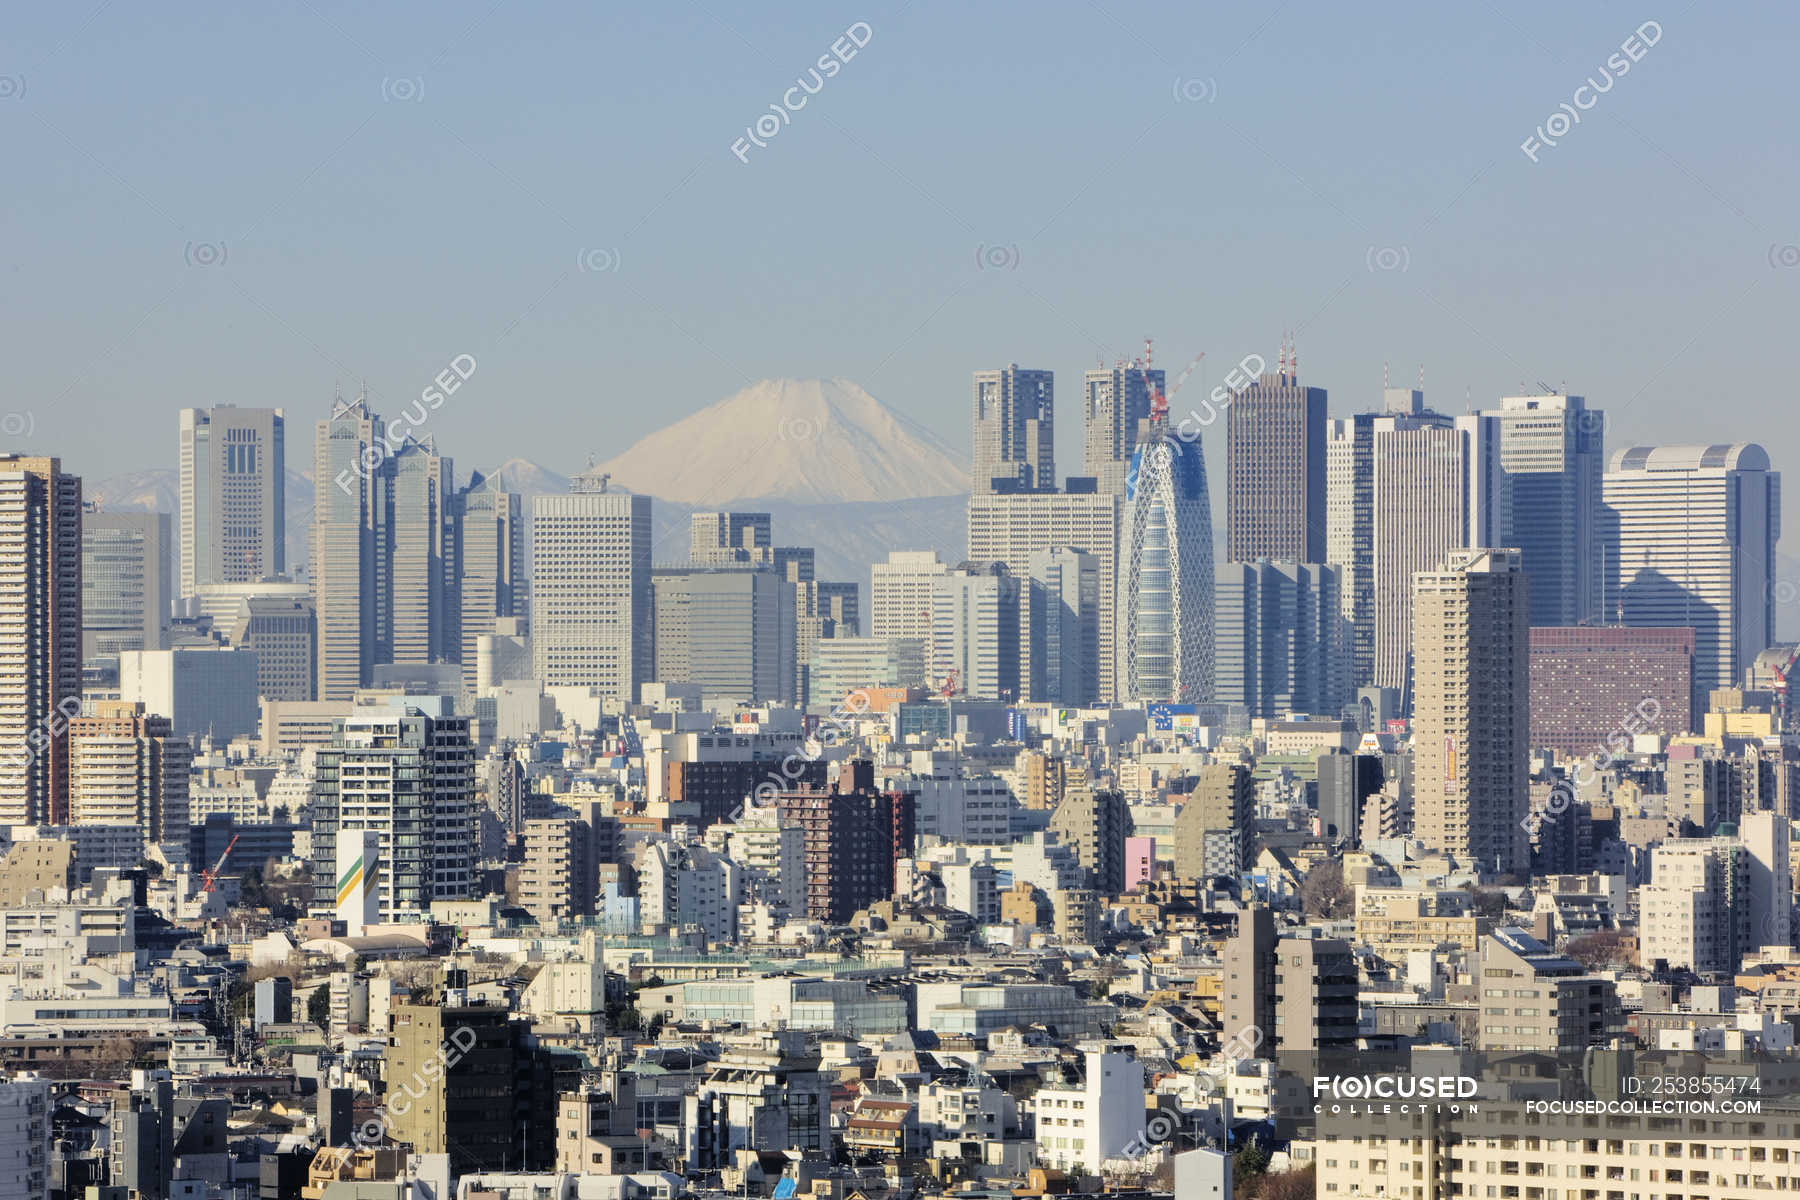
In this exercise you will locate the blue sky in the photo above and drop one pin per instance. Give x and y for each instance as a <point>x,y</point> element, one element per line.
<point>389,186</point>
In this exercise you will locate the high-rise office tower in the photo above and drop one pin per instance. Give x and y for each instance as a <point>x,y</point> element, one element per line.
<point>590,588</point>
<point>129,768</point>
<point>1011,528</point>
<point>124,582</point>
<point>490,562</point>
<point>1164,633</point>
<point>233,521</point>
<point>1688,538</point>
<point>1064,600</point>
<point>278,622</point>
<point>1404,486</point>
<point>343,560</point>
<point>1551,449</point>
<point>975,632</point>
<point>40,626</point>
<point>415,553</point>
<point>1014,430</point>
<point>1280,634</point>
<point>410,778</point>
<point>722,538</point>
<point>900,591</point>
<point>1116,404</point>
<point>729,630</point>
<point>1471,712</point>
<point>1275,468</point>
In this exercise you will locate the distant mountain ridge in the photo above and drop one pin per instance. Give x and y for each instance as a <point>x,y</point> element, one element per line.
<point>804,441</point>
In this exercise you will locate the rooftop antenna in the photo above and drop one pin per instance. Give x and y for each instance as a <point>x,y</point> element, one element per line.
<point>1293,357</point>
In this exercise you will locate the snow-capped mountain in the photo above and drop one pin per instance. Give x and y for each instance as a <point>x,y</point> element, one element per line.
<point>805,441</point>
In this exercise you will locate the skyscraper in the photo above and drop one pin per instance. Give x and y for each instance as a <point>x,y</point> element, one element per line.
<point>415,553</point>
<point>40,626</point>
<point>1471,712</point>
<point>722,538</point>
<point>343,561</point>
<point>1280,634</point>
<point>729,630</point>
<point>590,588</point>
<point>1275,469</point>
<point>124,582</point>
<point>1064,600</point>
<point>1404,486</point>
<point>1164,633</point>
<point>975,632</point>
<point>1014,429</point>
<point>490,562</point>
<point>1116,403</point>
<point>233,520</point>
<point>1010,529</point>
<point>1551,449</point>
<point>1688,538</point>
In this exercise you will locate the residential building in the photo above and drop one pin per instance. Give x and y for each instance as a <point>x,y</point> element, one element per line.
<point>40,623</point>
<point>409,778</point>
<point>1212,828</point>
<point>1099,1116</point>
<point>1471,716</point>
<point>1094,824</point>
<point>129,768</point>
<point>1534,1000</point>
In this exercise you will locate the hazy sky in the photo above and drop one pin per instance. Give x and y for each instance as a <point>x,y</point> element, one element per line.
<point>247,202</point>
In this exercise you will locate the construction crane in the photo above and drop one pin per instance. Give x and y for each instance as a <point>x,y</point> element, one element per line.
<point>1781,689</point>
<point>209,878</point>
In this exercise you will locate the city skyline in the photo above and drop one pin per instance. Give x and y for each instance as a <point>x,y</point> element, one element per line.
<point>1471,185</point>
